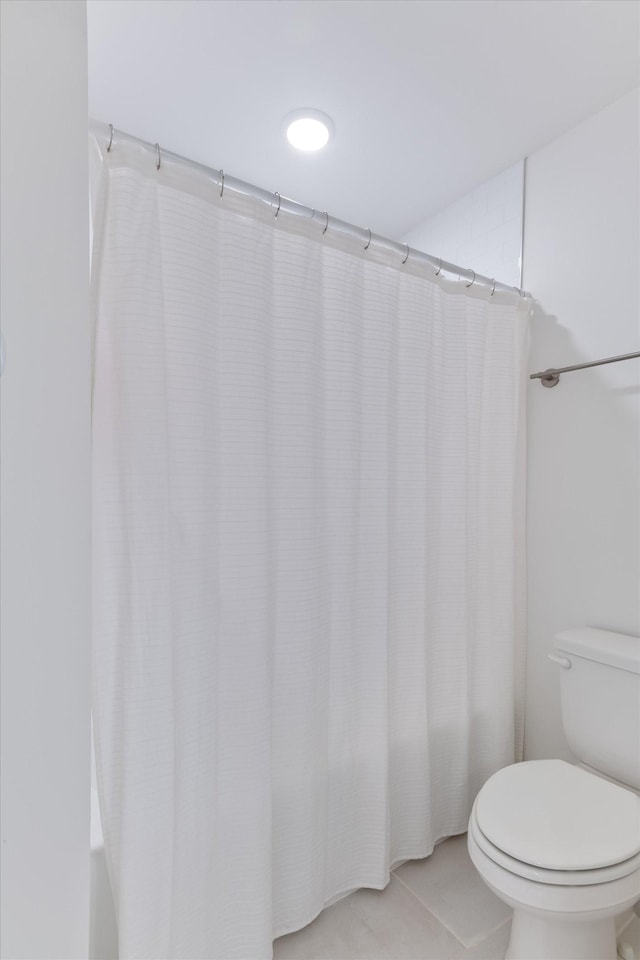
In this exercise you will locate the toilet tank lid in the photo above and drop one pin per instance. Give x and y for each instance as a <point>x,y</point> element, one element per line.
<point>618,650</point>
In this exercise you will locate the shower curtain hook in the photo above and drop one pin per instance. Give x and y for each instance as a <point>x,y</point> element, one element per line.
<point>473,281</point>
<point>439,270</point>
<point>110,138</point>
<point>493,287</point>
<point>368,243</point>
<point>276,194</point>
<point>326,226</point>
<point>408,252</point>
<point>221,182</point>
<point>157,146</point>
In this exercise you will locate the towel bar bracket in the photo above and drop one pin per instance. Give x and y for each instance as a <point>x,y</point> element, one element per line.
<point>550,378</point>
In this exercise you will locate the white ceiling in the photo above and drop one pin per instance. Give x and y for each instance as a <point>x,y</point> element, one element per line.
<point>429,97</point>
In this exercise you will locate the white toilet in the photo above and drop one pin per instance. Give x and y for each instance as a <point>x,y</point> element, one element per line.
<point>561,843</point>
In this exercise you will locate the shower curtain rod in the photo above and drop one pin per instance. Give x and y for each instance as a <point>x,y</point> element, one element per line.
<point>226,182</point>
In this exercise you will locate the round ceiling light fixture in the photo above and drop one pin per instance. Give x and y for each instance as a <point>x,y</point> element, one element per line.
<point>308,130</point>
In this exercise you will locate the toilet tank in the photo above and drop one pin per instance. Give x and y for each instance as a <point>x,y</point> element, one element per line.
<point>600,697</point>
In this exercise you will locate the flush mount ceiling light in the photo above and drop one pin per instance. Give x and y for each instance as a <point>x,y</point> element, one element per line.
<point>308,130</point>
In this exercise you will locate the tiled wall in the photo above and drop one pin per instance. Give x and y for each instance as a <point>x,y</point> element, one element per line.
<point>482,230</point>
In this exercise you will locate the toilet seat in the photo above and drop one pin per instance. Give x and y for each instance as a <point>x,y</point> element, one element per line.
<point>569,878</point>
<point>553,818</point>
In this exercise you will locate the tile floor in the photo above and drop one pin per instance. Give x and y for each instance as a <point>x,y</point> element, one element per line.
<point>629,938</point>
<point>433,909</point>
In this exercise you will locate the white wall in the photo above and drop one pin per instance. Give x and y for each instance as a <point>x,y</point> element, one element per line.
<point>581,261</point>
<point>482,230</point>
<point>45,505</point>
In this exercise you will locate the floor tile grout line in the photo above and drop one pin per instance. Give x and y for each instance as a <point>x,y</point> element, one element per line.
<point>461,948</point>
<point>495,929</point>
<point>466,946</point>
<point>435,917</point>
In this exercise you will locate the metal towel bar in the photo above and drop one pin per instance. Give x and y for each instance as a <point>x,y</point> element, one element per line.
<point>549,378</point>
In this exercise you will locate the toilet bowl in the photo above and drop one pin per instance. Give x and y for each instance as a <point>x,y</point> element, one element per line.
<point>560,843</point>
<point>562,847</point>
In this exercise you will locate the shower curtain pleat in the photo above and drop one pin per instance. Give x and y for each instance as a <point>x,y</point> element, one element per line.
<point>308,534</point>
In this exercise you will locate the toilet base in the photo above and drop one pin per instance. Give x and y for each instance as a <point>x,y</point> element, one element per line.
<point>534,936</point>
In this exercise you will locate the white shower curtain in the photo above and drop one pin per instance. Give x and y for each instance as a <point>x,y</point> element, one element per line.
<point>308,559</point>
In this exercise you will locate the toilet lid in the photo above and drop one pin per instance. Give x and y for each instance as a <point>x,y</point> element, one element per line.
<point>554,815</point>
